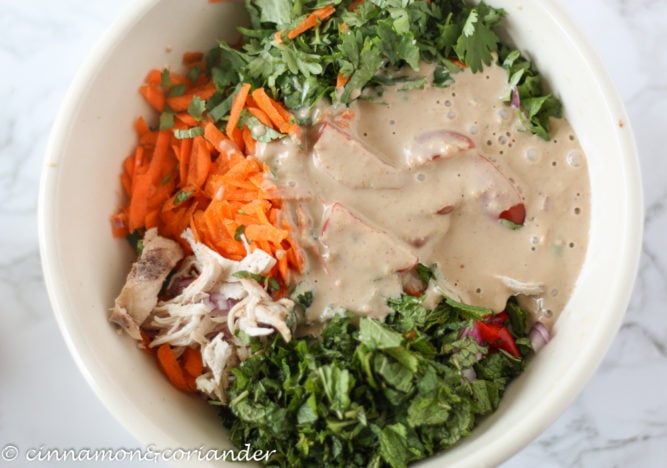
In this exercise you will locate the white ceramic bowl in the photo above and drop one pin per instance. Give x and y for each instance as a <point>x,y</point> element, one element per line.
<point>84,266</point>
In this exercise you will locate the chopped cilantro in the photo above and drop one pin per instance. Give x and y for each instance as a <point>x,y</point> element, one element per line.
<point>182,196</point>
<point>166,120</point>
<point>189,132</point>
<point>361,42</point>
<point>197,107</point>
<point>370,394</point>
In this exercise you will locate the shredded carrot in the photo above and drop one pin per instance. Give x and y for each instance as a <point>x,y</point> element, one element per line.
<point>140,126</point>
<point>324,12</point>
<point>237,106</point>
<point>209,183</point>
<point>341,80</point>
<point>192,362</point>
<point>356,3</point>
<point>172,368</point>
<point>260,115</point>
<point>267,105</point>
<point>309,22</point>
<point>192,58</point>
<point>153,78</point>
<point>153,96</point>
<point>248,141</point>
<point>457,62</point>
<point>181,103</point>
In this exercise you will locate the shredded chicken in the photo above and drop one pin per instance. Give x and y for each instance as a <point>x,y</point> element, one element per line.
<point>257,309</point>
<point>207,305</point>
<point>138,297</point>
<point>218,356</point>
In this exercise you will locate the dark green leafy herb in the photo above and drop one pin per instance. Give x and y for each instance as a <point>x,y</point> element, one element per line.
<point>478,42</point>
<point>535,107</point>
<point>305,299</point>
<point>425,273</point>
<point>373,394</point>
<point>362,43</point>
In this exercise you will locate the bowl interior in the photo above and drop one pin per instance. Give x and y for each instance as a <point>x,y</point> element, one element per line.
<point>85,267</point>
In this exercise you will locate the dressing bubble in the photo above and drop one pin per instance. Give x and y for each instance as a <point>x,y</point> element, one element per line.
<point>574,158</point>
<point>532,155</point>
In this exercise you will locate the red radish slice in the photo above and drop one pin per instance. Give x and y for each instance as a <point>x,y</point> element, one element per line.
<point>346,236</point>
<point>347,161</point>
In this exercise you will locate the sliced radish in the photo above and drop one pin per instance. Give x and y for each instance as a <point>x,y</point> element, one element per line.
<point>347,161</point>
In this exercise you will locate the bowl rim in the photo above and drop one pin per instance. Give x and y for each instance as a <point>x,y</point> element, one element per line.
<point>139,427</point>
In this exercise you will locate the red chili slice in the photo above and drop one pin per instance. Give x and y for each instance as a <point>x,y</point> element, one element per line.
<point>498,336</point>
<point>515,214</point>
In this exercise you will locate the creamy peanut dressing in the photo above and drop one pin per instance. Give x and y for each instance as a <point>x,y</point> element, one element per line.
<point>423,177</point>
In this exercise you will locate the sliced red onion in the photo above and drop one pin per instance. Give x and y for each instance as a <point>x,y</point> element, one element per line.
<point>539,336</point>
<point>516,101</point>
<point>221,301</point>
<point>472,332</point>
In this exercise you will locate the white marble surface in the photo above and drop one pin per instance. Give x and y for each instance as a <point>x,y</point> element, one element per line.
<point>619,420</point>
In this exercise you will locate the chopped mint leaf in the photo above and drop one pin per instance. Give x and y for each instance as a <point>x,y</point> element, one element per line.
<point>377,336</point>
<point>318,401</point>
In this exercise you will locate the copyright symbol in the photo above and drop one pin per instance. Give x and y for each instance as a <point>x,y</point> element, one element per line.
<point>9,453</point>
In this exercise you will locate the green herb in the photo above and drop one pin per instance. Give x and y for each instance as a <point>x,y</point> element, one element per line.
<point>182,196</point>
<point>188,133</point>
<point>509,224</point>
<point>165,78</point>
<point>197,107</point>
<point>425,273</point>
<point>305,299</point>
<point>135,238</point>
<point>370,394</point>
<point>238,233</point>
<point>535,108</point>
<point>176,90</point>
<point>478,42</point>
<point>269,282</point>
<point>362,44</point>
<point>166,120</point>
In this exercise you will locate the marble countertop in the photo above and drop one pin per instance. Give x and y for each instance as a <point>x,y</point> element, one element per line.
<point>619,420</point>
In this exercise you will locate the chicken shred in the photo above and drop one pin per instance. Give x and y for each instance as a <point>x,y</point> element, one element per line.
<point>138,297</point>
<point>209,304</point>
